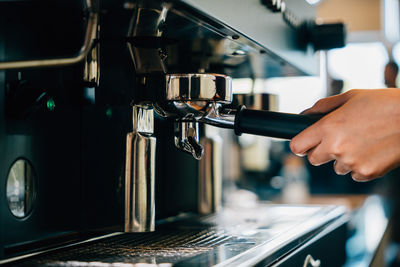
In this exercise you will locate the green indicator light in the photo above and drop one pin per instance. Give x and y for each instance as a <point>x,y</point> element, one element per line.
<point>51,105</point>
<point>109,112</point>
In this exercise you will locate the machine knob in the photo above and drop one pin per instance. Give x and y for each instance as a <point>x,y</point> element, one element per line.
<point>322,36</point>
<point>273,5</point>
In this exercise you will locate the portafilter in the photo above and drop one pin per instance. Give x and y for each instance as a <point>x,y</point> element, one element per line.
<point>205,98</point>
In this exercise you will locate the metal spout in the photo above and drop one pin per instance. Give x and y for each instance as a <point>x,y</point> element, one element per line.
<point>140,172</point>
<point>187,138</point>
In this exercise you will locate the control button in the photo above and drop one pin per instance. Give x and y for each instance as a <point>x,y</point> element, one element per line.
<point>273,5</point>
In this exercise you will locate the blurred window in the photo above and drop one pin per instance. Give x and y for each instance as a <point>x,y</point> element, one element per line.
<point>359,65</point>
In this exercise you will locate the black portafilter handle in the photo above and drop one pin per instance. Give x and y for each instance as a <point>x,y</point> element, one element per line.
<point>272,124</point>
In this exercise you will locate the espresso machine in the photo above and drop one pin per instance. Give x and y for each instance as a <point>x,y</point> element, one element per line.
<point>105,157</point>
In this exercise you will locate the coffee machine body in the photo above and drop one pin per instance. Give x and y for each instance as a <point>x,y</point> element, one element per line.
<point>64,123</point>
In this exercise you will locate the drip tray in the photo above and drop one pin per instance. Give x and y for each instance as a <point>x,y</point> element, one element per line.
<point>160,246</point>
<point>233,236</point>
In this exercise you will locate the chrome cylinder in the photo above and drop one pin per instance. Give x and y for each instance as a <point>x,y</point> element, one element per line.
<point>210,172</point>
<point>140,172</point>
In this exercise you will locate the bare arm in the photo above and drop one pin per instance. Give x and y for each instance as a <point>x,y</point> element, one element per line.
<point>361,132</point>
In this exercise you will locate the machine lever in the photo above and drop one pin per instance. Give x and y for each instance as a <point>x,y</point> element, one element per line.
<point>90,36</point>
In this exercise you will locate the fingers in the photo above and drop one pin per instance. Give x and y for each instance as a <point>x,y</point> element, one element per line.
<point>306,140</point>
<point>312,136</point>
<point>318,155</point>
<point>328,104</point>
<point>341,168</point>
<point>359,178</point>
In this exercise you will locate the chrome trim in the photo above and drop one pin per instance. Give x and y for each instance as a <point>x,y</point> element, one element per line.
<point>90,35</point>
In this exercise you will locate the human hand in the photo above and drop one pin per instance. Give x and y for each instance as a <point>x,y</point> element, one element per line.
<point>361,132</point>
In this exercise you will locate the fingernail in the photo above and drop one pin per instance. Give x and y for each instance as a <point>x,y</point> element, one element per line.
<point>300,155</point>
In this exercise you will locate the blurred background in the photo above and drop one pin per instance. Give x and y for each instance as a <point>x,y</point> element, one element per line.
<point>266,169</point>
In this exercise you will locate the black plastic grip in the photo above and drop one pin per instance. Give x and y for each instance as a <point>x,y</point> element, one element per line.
<point>272,124</point>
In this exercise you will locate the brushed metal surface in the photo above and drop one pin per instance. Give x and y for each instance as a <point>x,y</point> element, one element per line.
<point>236,236</point>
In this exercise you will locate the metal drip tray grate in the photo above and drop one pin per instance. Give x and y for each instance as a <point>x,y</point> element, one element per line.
<point>231,237</point>
<point>158,247</point>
